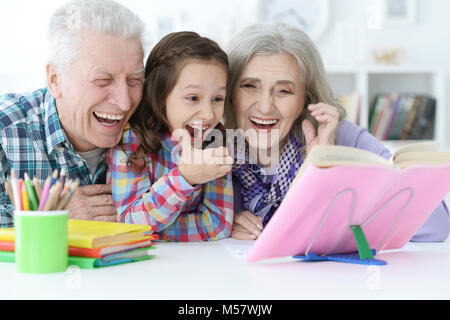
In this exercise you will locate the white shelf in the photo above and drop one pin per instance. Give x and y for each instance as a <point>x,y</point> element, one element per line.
<point>372,79</point>
<point>404,69</point>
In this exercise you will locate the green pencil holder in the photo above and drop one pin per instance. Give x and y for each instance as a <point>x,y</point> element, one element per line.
<point>41,242</point>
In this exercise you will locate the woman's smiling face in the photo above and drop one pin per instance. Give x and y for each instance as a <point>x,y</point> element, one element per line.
<point>269,97</point>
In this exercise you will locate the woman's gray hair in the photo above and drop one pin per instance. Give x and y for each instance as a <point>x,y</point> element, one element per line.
<point>69,23</point>
<point>273,39</point>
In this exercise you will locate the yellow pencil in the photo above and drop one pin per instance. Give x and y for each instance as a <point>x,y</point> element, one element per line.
<point>25,201</point>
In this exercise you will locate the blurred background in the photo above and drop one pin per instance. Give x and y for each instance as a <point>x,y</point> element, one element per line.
<point>387,60</point>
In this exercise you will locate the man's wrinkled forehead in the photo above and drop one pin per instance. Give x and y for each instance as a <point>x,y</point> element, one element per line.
<point>100,71</point>
<point>106,55</point>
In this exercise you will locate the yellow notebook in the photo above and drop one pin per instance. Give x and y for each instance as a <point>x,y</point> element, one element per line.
<point>7,234</point>
<point>95,234</point>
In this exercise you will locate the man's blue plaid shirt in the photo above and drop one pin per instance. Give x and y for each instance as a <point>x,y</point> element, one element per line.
<point>32,140</point>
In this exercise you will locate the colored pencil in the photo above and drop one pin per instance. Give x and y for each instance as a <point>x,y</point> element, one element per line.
<point>66,188</point>
<point>29,195</point>
<point>34,205</point>
<point>45,192</point>
<point>54,177</point>
<point>19,186</point>
<point>72,190</point>
<point>25,200</point>
<point>53,197</point>
<point>9,191</point>
<point>37,188</point>
<point>15,189</point>
<point>62,178</point>
<point>65,199</point>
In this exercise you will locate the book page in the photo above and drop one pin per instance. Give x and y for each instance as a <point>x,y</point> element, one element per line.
<point>331,155</point>
<point>419,146</point>
<point>422,158</point>
<point>431,157</point>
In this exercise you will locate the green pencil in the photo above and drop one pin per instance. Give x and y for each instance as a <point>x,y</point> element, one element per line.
<point>31,193</point>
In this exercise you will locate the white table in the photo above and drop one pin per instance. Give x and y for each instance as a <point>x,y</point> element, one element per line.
<point>217,270</point>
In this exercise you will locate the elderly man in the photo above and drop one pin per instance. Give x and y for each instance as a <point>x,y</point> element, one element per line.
<point>95,79</point>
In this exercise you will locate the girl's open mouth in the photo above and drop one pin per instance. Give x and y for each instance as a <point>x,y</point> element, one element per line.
<point>197,131</point>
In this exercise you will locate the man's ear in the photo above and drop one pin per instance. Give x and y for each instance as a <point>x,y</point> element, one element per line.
<point>53,80</point>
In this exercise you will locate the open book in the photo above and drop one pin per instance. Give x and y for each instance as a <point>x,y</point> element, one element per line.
<point>338,187</point>
<point>421,153</point>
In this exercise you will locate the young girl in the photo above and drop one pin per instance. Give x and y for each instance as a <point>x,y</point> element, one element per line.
<point>153,182</point>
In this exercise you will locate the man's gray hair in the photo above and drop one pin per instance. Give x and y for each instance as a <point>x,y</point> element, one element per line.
<point>69,23</point>
<point>273,39</point>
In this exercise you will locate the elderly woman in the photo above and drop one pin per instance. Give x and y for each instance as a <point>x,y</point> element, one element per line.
<point>278,88</point>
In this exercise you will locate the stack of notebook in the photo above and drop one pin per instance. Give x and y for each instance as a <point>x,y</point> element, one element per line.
<point>94,244</point>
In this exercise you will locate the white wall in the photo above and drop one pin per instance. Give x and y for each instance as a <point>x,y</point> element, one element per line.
<point>426,42</point>
<point>23,26</point>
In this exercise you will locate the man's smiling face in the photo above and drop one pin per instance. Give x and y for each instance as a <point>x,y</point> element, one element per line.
<point>100,91</point>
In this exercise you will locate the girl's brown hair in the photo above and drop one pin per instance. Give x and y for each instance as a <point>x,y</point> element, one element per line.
<point>163,67</point>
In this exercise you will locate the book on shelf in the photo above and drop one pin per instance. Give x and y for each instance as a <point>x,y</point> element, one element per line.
<point>377,111</point>
<point>343,187</point>
<point>423,125</point>
<point>404,116</point>
<point>405,105</point>
<point>385,116</point>
<point>409,123</point>
<point>351,104</point>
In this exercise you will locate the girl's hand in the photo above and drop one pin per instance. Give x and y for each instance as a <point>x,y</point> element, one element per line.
<point>201,166</point>
<point>246,226</point>
<point>328,118</point>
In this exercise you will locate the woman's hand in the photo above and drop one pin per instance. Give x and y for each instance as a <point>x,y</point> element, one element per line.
<point>328,118</point>
<point>246,226</point>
